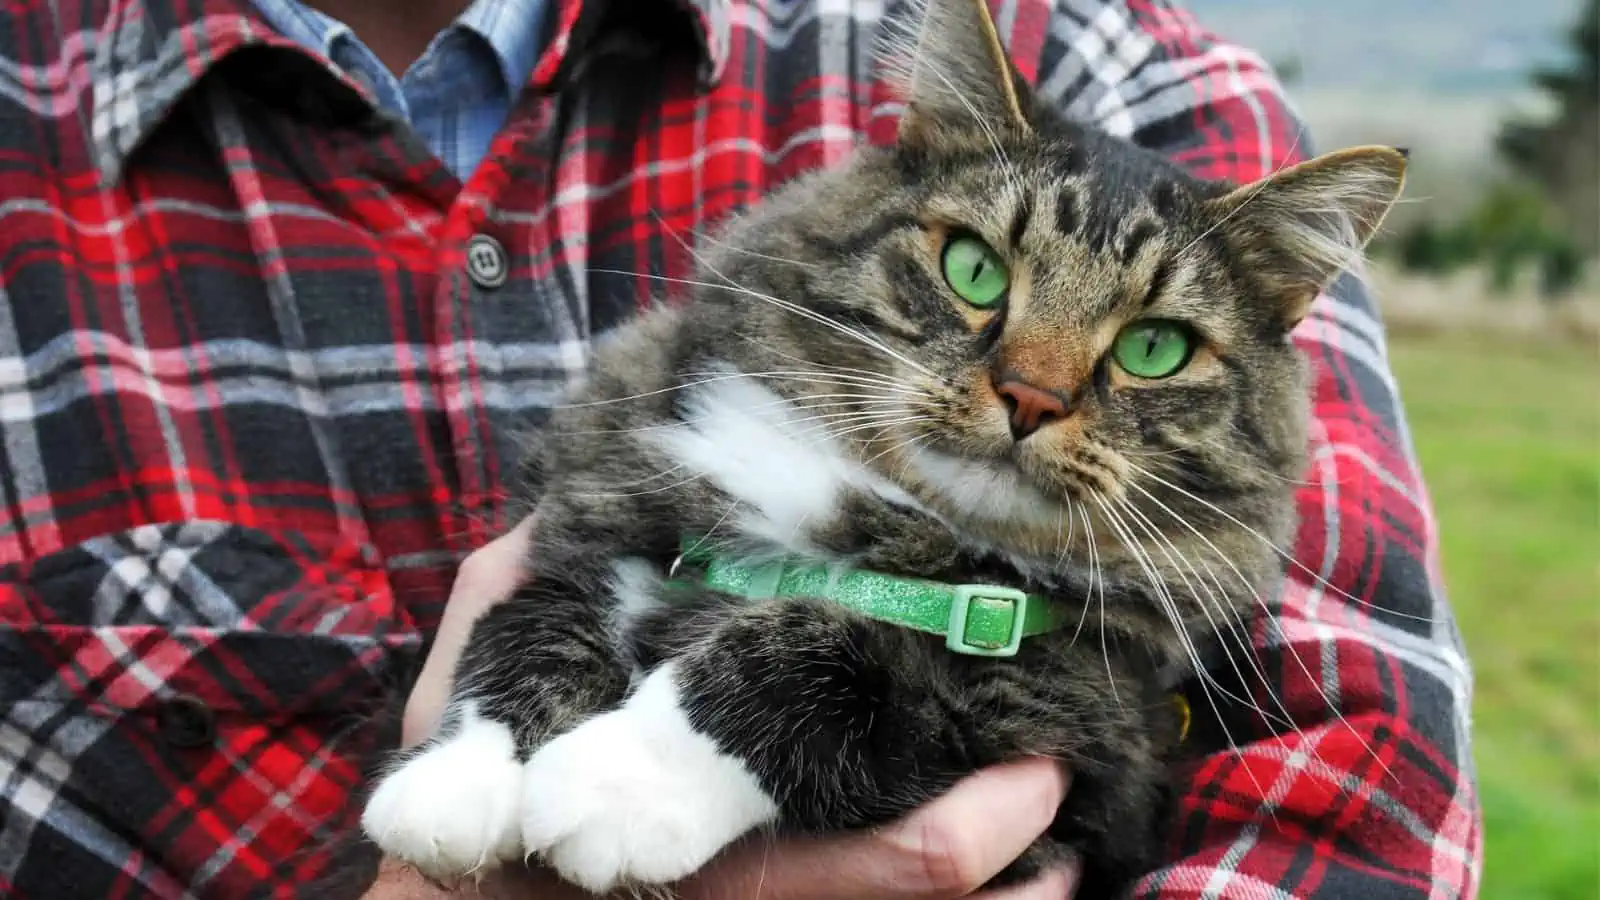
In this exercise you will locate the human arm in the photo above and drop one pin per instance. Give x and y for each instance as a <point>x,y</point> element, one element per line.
<point>943,850</point>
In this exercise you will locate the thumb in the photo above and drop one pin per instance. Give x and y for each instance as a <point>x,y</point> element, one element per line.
<point>946,849</point>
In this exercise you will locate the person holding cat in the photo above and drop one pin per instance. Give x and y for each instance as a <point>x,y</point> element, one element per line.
<point>286,286</point>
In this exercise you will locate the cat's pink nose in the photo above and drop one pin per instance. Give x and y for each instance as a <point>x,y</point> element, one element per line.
<point>1031,407</point>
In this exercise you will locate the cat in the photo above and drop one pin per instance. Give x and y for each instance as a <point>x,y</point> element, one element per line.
<point>1008,350</point>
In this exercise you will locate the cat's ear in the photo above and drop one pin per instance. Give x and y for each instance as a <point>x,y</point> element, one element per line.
<point>1297,229</point>
<point>955,75</point>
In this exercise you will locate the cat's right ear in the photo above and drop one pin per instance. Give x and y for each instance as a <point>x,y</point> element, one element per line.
<point>1298,228</point>
<point>955,76</point>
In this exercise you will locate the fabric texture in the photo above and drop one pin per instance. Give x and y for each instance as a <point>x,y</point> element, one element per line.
<point>262,370</point>
<point>457,94</point>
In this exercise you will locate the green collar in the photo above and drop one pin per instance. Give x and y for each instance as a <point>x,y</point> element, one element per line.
<point>974,619</point>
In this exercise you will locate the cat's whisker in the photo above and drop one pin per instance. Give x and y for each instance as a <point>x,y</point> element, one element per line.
<point>814,401</point>
<point>1267,610</point>
<point>1288,558</point>
<point>829,410</point>
<point>731,285</point>
<point>1061,535</point>
<point>1203,677</point>
<point>819,411</point>
<point>1179,561</point>
<point>860,400</point>
<point>709,238</point>
<point>1151,454</point>
<point>826,378</point>
<point>660,490</point>
<point>1097,583</point>
<point>881,425</point>
<point>648,478</point>
<point>863,374</point>
<point>827,420</point>
<point>797,309</point>
<point>1158,581</point>
<point>646,394</point>
<point>706,538</point>
<point>819,378</point>
<point>1263,470</point>
<point>834,429</point>
<point>1084,615</point>
<point>906,444</point>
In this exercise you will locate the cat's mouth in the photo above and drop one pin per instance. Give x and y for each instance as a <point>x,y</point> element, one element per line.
<point>996,490</point>
<point>991,474</point>
<point>1072,471</point>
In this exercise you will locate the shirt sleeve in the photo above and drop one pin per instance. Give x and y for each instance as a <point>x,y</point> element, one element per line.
<point>1372,795</point>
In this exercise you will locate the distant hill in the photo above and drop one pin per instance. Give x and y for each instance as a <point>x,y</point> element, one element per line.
<point>1450,47</point>
<point>1435,74</point>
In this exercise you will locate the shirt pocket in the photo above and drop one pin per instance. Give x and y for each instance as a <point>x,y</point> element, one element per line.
<point>188,707</point>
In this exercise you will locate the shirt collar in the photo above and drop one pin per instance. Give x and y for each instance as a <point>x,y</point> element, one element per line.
<point>302,24</point>
<point>149,53</point>
<point>511,28</point>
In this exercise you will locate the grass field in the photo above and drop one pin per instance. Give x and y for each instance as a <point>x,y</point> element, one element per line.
<point>1509,437</point>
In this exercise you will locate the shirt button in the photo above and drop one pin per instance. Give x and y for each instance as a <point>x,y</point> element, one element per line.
<point>486,261</point>
<point>186,721</point>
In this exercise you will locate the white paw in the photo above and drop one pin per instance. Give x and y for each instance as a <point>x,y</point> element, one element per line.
<point>636,795</point>
<point>452,810</point>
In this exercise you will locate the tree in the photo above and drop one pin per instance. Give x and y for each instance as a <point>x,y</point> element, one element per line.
<point>1562,154</point>
<point>1289,69</point>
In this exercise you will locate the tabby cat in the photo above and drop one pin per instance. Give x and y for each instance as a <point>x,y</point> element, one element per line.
<point>1008,352</point>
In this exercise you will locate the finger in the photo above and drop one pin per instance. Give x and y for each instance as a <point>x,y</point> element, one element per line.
<point>1055,884</point>
<point>487,576</point>
<point>946,849</point>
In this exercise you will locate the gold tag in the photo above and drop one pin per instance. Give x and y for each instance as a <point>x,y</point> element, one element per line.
<point>1181,704</point>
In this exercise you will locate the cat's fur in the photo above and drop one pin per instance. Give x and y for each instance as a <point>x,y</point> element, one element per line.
<point>626,742</point>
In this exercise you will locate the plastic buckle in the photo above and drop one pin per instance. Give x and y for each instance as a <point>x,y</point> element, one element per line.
<point>991,597</point>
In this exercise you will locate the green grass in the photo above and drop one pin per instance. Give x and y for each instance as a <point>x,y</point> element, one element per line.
<point>1509,438</point>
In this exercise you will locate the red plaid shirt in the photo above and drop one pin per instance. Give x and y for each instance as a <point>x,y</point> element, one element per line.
<point>257,401</point>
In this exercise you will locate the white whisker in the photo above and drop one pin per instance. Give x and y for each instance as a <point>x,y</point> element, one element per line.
<point>1267,610</point>
<point>1274,547</point>
<point>1178,560</point>
<point>1097,581</point>
<point>1205,680</point>
<point>797,309</point>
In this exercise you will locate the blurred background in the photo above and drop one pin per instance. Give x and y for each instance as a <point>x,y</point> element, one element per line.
<point>1490,284</point>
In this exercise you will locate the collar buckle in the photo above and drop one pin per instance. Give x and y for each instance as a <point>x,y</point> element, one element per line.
<point>986,620</point>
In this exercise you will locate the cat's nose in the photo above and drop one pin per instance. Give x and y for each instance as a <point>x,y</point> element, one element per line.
<point>1031,407</point>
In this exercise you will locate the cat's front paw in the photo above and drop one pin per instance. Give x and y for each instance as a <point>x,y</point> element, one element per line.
<point>451,810</point>
<point>636,795</point>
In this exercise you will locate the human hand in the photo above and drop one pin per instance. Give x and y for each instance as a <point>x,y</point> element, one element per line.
<point>944,850</point>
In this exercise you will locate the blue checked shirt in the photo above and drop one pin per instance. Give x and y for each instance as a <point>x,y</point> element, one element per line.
<point>458,93</point>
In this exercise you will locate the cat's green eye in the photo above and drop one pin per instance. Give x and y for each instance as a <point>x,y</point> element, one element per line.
<point>975,272</point>
<point>1153,348</point>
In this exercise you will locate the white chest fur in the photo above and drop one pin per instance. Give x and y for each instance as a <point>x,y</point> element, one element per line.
<point>780,462</point>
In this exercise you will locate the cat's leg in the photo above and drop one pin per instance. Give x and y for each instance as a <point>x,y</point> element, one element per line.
<point>533,666</point>
<point>803,715</point>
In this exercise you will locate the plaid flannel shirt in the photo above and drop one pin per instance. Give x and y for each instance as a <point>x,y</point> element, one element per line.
<point>262,357</point>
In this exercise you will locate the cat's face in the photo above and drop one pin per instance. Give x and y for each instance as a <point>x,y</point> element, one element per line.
<point>1079,324</point>
<point>1069,329</point>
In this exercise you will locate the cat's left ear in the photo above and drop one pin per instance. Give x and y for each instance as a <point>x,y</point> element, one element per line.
<point>1299,228</point>
<point>956,77</point>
